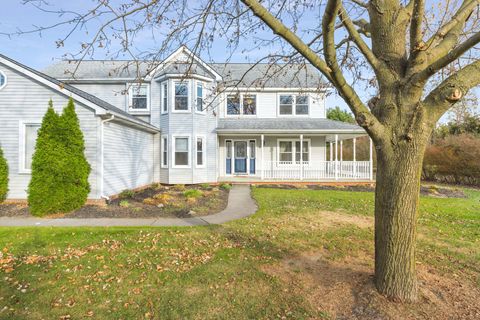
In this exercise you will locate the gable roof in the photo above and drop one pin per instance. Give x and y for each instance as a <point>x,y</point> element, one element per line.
<point>75,93</point>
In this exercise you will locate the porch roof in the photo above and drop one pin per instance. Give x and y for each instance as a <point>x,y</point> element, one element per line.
<point>287,125</point>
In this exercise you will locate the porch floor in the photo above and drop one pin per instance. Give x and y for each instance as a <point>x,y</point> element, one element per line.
<point>255,179</point>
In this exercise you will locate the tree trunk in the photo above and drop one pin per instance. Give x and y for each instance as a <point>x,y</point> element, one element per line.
<point>396,204</point>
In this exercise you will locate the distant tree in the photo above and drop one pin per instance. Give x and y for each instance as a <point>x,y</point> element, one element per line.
<point>340,115</point>
<point>469,124</point>
<point>3,177</point>
<point>59,168</point>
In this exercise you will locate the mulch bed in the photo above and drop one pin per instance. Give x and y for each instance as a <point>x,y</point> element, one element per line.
<point>433,191</point>
<point>154,201</point>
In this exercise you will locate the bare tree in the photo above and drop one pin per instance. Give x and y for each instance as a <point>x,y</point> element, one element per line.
<point>416,59</point>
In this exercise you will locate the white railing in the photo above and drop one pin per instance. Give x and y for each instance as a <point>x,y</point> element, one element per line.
<point>316,170</point>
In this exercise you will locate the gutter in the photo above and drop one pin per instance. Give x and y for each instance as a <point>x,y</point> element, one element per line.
<point>102,156</point>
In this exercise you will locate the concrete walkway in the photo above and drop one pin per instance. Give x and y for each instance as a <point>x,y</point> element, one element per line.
<point>240,205</point>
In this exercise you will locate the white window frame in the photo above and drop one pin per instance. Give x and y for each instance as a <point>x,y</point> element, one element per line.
<point>189,95</point>
<point>204,153</point>
<point>164,92</point>
<point>241,114</point>
<point>189,149</point>
<point>197,84</point>
<point>294,151</point>
<point>6,80</point>
<point>294,104</point>
<point>164,150</point>
<point>21,144</point>
<point>131,86</point>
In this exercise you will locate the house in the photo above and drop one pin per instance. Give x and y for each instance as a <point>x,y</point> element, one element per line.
<point>183,122</point>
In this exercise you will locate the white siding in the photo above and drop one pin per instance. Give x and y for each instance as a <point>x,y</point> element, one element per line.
<point>128,158</point>
<point>24,99</point>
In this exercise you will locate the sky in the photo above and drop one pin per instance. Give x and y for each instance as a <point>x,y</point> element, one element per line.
<point>39,50</point>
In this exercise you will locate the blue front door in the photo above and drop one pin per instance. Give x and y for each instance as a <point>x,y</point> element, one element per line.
<point>240,157</point>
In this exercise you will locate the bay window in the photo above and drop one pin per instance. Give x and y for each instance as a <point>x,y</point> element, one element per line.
<point>199,97</point>
<point>164,152</point>
<point>200,152</point>
<point>181,96</point>
<point>181,151</point>
<point>164,97</point>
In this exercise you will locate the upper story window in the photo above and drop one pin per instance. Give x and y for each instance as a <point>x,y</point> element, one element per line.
<point>181,96</point>
<point>138,97</point>
<point>3,80</point>
<point>199,97</point>
<point>293,105</point>
<point>241,104</point>
<point>164,97</point>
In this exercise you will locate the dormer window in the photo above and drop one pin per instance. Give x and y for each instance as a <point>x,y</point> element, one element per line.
<point>181,96</point>
<point>138,97</point>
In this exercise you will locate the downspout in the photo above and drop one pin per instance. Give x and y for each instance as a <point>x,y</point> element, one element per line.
<point>102,156</point>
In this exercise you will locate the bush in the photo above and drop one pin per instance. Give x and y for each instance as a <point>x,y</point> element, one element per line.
<point>226,186</point>
<point>454,159</point>
<point>60,170</point>
<point>205,186</point>
<point>193,193</point>
<point>3,177</point>
<point>179,187</point>
<point>126,194</point>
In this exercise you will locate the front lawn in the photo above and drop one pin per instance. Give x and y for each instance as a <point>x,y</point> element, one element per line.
<point>306,254</point>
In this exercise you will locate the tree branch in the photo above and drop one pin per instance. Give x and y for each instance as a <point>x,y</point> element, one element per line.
<point>416,34</point>
<point>363,116</point>
<point>452,89</point>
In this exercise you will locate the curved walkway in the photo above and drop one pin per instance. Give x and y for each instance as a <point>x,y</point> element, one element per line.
<point>240,205</point>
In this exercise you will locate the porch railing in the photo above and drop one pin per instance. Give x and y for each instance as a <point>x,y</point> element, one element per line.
<point>316,170</point>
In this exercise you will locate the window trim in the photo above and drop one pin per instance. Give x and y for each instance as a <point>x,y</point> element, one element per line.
<point>294,151</point>
<point>22,146</point>
<point>189,103</point>
<point>6,80</point>
<point>164,85</point>
<point>204,153</point>
<point>241,109</point>
<point>164,149</point>
<point>189,150</point>
<point>294,104</point>
<point>130,98</point>
<point>197,84</point>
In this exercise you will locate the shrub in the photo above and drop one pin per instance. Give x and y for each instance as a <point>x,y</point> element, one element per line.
<point>193,193</point>
<point>226,186</point>
<point>60,170</point>
<point>124,204</point>
<point>126,194</point>
<point>179,187</point>
<point>3,177</point>
<point>205,186</point>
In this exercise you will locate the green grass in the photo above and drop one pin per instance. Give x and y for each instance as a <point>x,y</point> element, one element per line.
<point>214,272</point>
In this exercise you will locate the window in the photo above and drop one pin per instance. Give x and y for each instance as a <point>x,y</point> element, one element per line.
<point>288,148</point>
<point>305,152</point>
<point>248,103</point>
<point>233,104</point>
<point>181,96</point>
<point>164,97</point>
<point>28,140</point>
<point>181,154</point>
<point>293,105</point>
<point>200,149</point>
<point>285,151</point>
<point>252,149</point>
<point>164,152</point>
<point>229,149</point>
<point>199,97</point>
<point>3,80</point>
<point>138,95</point>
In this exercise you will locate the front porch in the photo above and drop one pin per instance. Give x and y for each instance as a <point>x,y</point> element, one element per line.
<point>287,157</point>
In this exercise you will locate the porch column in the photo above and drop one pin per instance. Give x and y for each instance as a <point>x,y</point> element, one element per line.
<point>336,157</point>
<point>341,158</point>
<point>301,157</point>
<point>355,158</point>
<point>371,159</point>
<point>262,167</point>
<point>331,151</point>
